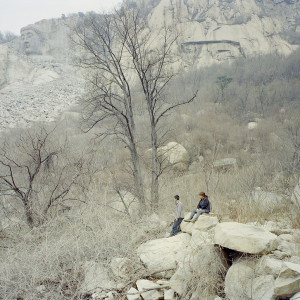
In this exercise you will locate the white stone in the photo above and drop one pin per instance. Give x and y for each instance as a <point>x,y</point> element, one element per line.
<point>96,278</point>
<point>201,238</point>
<point>245,238</point>
<point>241,282</point>
<point>252,125</point>
<point>154,294</point>
<point>174,152</point>
<point>169,295</point>
<point>199,263</point>
<point>203,223</point>
<point>288,247</point>
<point>133,297</point>
<point>296,296</point>
<point>121,267</point>
<point>164,254</point>
<point>269,266</point>
<point>288,281</point>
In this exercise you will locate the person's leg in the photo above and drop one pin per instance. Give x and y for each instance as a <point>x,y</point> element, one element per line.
<point>200,211</point>
<point>175,227</point>
<point>178,226</point>
<point>192,214</point>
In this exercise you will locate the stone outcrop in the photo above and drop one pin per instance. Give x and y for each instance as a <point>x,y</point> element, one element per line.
<point>163,255</point>
<point>154,294</point>
<point>224,30</point>
<point>174,152</point>
<point>245,238</point>
<point>198,261</point>
<point>288,281</point>
<point>241,282</point>
<point>203,223</point>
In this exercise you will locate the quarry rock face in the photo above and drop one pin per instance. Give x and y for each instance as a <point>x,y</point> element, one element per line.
<point>36,69</point>
<point>217,31</point>
<point>37,79</point>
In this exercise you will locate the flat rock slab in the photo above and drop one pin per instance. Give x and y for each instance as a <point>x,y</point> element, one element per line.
<point>153,293</point>
<point>245,238</point>
<point>203,223</point>
<point>164,254</point>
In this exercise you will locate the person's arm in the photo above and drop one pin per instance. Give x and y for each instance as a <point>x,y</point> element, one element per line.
<point>178,210</point>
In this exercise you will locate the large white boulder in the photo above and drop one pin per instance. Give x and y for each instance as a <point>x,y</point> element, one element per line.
<point>154,293</point>
<point>288,281</point>
<point>241,282</point>
<point>245,238</point>
<point>269,266</point>
<point>174,152</point>
<point>201,238</point>
<point>164,254</point>
<point>203,223</point>
<point>199,271</point>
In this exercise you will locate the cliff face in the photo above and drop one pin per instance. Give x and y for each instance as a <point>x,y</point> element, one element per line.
<point>36,69</point>
<point>220,30</point>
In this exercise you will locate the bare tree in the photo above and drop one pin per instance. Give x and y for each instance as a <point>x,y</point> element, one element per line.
<point>35,172</point>
<point>106,61</point>
<point>123,53</point>
<point>151,54</point>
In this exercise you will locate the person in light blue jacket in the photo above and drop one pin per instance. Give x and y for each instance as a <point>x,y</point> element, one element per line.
<point>178,216</point>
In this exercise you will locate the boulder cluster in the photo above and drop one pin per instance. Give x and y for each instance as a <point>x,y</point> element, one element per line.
<point>211,260</point>
<point>208,260</point>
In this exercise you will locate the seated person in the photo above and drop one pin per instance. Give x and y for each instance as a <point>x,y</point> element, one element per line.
<point>202,207</point>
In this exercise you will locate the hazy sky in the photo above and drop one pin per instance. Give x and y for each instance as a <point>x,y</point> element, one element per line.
<point>15,14</point>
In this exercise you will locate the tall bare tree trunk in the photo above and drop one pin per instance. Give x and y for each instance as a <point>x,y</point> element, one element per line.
<point>155,169</point>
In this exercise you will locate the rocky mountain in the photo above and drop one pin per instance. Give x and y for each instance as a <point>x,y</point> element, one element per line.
<point>220,30</point>
<point>38,79</point>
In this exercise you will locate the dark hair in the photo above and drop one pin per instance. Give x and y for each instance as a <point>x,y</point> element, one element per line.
<point>202,194</point>
<point>176,197</point>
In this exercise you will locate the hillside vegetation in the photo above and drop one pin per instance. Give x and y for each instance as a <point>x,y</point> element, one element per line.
<point>264,90</point>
